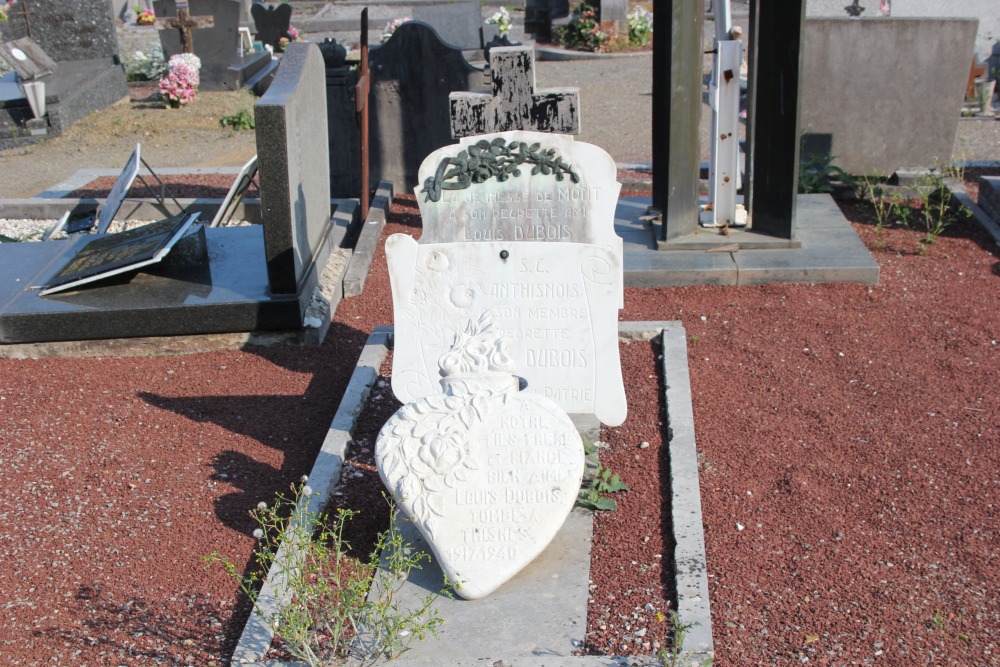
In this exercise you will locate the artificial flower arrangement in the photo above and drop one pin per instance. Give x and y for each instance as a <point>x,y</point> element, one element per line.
<point>144,16</point>
<point>391,26</point>
<point>501,20</point>
<point>5,6</point>
<point>180,84</point>
<point>292,35</point>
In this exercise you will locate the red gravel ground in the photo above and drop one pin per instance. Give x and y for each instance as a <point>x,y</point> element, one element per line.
<point>848,437</point>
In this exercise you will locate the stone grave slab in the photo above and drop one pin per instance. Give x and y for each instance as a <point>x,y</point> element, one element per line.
<point>411,77</point>
<point>67,29</point>
<point>458,23</point>
<point>79,36</point>
<point>273,276</point>
<point>533,240</point>
<point>487,472</point>
<point>294,191</point>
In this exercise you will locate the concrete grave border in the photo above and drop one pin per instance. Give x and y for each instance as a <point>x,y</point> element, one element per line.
<point>691,574</point>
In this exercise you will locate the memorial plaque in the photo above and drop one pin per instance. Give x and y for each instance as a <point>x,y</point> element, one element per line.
<point>106,214</point>
<point>112,254</point>
<point>541,187</point>
<point>554,301</point>
<point>236,192</point>
<point>487,472</point>
<point>522,224</point>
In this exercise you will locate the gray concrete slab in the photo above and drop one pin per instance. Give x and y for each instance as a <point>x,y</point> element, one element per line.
<point>828,251</point>
<point>540,612</point>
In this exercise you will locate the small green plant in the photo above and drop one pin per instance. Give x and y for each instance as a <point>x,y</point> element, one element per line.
<point>239,121</point>
<point>607,482</point>
<point>818,174</point>
<point>583,32</point>
<point>604,481</point>
<point>872,189</point>
<point>672,654</point>
<point>936,208</point>
<point>330,607</point>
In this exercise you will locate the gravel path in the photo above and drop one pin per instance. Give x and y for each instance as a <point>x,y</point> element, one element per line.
<point>848,433</point>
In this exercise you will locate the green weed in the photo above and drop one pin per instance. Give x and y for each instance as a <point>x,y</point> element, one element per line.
<point>329,607</point>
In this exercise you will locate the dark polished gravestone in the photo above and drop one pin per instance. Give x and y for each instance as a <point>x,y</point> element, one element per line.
<point>412,75</point>
<point>257,278</point>
<point>217,45</point>
<point>271,23</point>
<point>79,35</point>
<point>457,23</point>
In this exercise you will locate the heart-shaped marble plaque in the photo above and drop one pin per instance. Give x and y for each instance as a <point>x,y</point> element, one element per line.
<point>488,479</point>
<point>488,473</point>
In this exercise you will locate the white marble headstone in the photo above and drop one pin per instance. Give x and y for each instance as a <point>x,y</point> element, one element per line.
<point>533,241</point>
<point>488,473</point>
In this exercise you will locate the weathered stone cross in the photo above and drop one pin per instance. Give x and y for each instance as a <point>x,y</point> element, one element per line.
<point>514,104</point>
<point>185,23</point>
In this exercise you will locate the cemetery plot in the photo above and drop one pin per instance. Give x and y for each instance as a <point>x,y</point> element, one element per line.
<point>113,254</point>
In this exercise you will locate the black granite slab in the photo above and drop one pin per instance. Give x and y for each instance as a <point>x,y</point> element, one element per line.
<point>228,294</point>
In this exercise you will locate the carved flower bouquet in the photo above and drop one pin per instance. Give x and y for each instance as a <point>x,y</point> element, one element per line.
<point>180,84</point>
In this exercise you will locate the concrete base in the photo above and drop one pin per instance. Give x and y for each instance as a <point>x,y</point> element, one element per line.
<point>825,249</point>
<point>73,91</point>
<point>229,293</point>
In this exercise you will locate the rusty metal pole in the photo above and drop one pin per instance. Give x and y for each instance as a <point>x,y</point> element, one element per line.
<point>361,106</point>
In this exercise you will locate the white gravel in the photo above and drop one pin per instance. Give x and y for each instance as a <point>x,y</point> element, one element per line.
<point>33,230</point>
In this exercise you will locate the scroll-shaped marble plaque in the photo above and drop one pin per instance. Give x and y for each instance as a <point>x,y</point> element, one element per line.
<point>557,303</point>
<point>487,472</point>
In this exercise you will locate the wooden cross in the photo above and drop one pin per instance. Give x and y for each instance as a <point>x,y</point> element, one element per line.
<point>185,23</point>
<point>361,107</point>
<point>514,104</point>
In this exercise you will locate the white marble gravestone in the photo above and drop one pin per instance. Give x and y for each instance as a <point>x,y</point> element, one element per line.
<point>487,472</point>
<point>532,241</point>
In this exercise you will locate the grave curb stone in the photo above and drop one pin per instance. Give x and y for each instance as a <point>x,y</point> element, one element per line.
<point>368,240</point>
<point>256,637</point>
<point>685,493</point>
<point>986,214</point>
